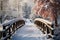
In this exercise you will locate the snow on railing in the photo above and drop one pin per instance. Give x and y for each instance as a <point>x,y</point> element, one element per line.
<point>45,26</point>
<point>8,28</point>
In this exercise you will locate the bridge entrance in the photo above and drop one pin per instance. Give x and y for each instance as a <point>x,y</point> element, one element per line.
<point>29,32</point>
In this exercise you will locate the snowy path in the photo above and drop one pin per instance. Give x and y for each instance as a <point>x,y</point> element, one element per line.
<point>29,32</point>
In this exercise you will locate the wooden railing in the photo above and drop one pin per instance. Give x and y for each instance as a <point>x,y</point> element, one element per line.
<point>45,26</point>
<point>10,27</point>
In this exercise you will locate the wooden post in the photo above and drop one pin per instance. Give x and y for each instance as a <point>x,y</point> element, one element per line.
<point>56,24</point>
<point>14,27</point>
<point>9,32</point>
<point>52,30</point>
<point>4,33</point>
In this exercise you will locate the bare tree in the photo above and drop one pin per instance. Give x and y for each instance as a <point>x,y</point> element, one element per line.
<point>26,10</point>
<point>47,8</point>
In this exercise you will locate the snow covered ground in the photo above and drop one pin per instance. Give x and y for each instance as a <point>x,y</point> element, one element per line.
<point>29,32</point>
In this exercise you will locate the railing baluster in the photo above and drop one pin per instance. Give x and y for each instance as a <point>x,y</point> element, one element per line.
<point>14,27</point>
<point>4,33</point>
<point>9,28</point>
<point>47,26</point>
<point>9,32</point>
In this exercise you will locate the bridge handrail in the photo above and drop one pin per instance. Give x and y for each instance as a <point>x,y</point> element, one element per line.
<point>10,27</point>
<point>45,25</point>
<point>45,22</point>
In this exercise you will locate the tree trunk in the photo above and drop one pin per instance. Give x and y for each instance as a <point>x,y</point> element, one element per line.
<point>56,24</point>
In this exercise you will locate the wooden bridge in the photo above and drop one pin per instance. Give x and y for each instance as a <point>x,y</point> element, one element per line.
<point>10,27</point>
<point>45,26</point>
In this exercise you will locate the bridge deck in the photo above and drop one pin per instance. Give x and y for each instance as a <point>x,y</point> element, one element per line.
<point>29,32</point>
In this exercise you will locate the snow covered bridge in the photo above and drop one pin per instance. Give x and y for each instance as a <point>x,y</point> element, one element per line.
<point>7,29</point>
<point>45,26</point>
<point>29,31</point>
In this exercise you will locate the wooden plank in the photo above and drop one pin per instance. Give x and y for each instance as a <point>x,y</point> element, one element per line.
<point>43,20</point>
